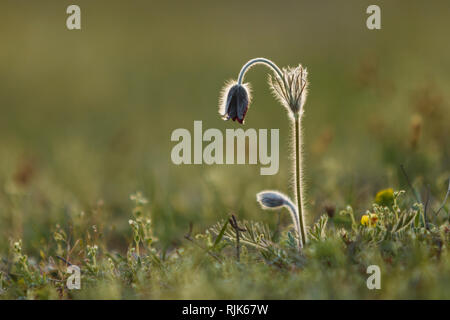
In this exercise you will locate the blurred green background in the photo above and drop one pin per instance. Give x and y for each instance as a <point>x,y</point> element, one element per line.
<point>86,116</point>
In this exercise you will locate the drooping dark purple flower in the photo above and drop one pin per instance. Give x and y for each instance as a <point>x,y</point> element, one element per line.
<point>234,101</point>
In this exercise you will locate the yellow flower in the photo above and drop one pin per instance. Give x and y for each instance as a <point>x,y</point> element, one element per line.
<point>369,219</point>
<point>385,197</point>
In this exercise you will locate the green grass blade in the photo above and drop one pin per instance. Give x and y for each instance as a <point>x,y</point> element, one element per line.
<point>220,235</point>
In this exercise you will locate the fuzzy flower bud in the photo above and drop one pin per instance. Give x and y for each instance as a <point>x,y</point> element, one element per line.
<point>274,200</point>
<point>271,199</point>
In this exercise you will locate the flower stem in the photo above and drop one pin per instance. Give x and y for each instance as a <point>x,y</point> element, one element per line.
<point>265,61</point>
<point>295,216</point>
<point>298,176</point>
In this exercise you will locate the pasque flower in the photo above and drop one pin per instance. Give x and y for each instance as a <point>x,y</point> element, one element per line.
<point>290,87</point>
<point>234,102</point>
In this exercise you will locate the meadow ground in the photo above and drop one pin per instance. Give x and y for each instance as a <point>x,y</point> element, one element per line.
<point>86,176</point>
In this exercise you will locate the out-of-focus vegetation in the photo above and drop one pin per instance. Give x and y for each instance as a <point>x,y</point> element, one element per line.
<point>86,118</point>
<point>410,250</point>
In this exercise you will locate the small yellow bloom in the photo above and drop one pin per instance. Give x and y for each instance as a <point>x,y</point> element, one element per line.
<point>385,197</point>
<point>369,219</point>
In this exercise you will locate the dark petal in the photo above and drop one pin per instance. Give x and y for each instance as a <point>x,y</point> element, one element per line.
<point>242,103</point>
<point>231,93</point>
<point>232,111</point>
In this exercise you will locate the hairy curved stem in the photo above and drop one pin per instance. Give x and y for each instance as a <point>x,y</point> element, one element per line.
<point>264,61</point>
<point>298,176</point>
<point>295,216</point>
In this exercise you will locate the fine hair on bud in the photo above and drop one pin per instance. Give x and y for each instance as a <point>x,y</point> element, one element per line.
<point>273,200</point>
